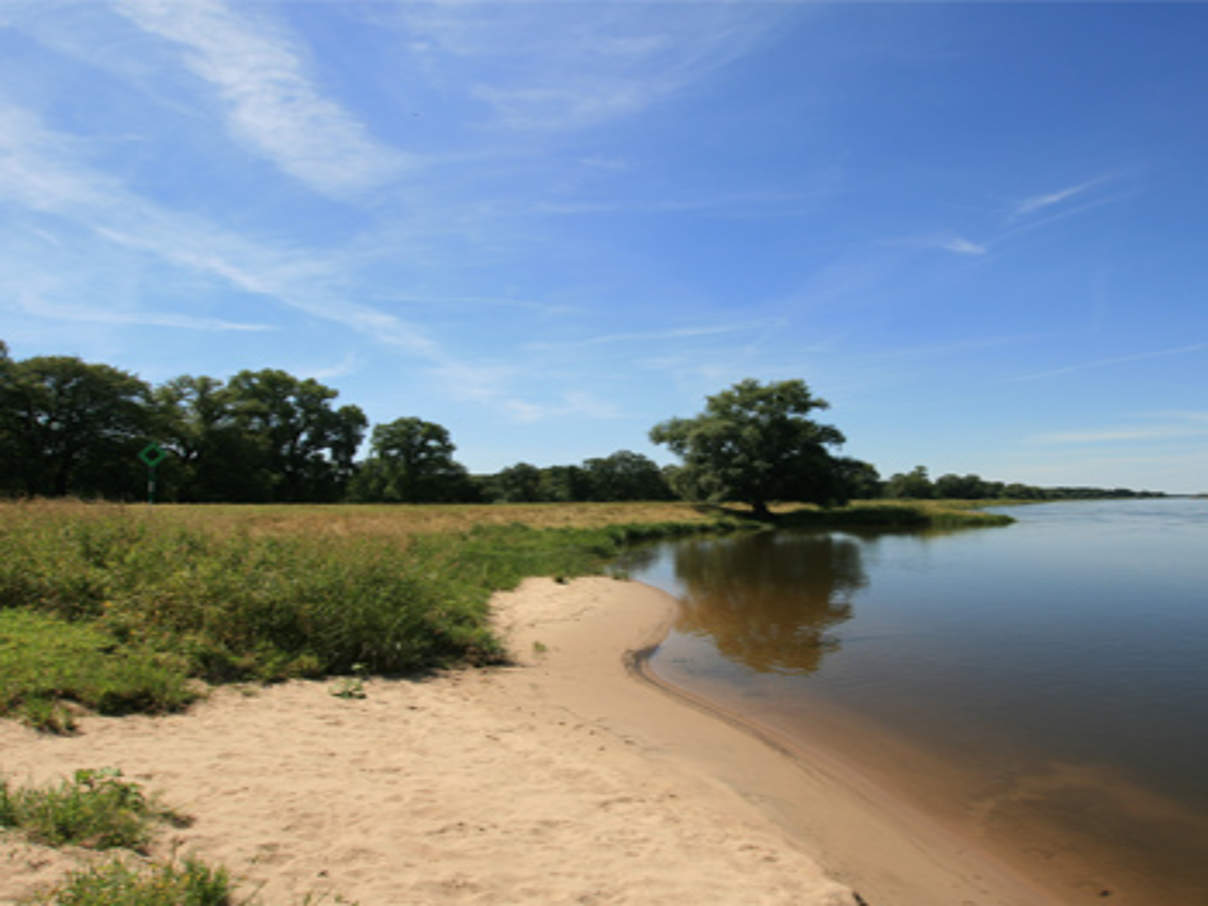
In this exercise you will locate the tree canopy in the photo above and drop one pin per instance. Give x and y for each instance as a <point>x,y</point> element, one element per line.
<point>755,443</point>
<point>411,461</point>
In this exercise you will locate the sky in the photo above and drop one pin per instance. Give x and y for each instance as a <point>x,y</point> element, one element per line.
<point>977,230</point>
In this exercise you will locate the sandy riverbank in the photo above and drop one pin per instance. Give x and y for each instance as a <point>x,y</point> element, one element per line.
<point>563,779</point>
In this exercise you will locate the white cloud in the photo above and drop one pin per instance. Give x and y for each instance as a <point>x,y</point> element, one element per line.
<point>1037,202</point>
<point>547,67</point>
<point>962,246</point>
<point>571,403</point>
<point>1119,434</point>
<point>271,103</point>
<point>37,172</point>
<point>38,307</point>
<point>1115,360</point>
<point>346,366</point>
<point>650,335</point>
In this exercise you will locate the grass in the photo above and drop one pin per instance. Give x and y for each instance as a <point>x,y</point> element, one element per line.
<point>95,809</point>
<point>191,883</point>
<point>118,608</point>
<point>885,514</point>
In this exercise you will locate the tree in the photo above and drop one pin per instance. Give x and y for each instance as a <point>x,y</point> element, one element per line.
<point>860,479</point>
<point>564,484</point>
<point>755,444</point>
<point>412,462</point>
<point>71,427</point>
<point>520,483</point>
<point>625,475</point>
<point>304,446</point>
<point>214,458</point>
<point>912,485</point>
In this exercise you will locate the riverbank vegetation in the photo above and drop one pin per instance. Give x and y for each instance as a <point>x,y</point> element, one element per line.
<point>97,809</point>
<point>121,609</point>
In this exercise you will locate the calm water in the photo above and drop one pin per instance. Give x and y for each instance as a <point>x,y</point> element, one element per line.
<point>1057,669</point>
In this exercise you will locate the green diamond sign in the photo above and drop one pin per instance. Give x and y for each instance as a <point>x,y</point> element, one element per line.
<point>152,454</point>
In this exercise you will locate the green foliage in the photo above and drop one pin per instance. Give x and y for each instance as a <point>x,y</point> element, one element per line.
<point>754,443</point>
<point>45,660</point>
<point>883,516</point>
<point>117,610</point>
<point>914,485</point>
<point>95,809</point>
<point>69,427</point>
<point>412,462</point>
<point>520,483</point>
<point>192,883</point>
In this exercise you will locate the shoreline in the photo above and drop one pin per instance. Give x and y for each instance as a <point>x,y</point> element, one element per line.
<point>559,779</point>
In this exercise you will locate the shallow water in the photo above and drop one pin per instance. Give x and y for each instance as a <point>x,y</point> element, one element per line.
<point>1045,685</point>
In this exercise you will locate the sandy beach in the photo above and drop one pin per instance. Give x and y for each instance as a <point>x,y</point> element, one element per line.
<point>565,778</point>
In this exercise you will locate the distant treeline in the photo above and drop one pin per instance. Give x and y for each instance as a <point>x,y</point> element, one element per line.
<point>68,427</point>
<point>915,485</point>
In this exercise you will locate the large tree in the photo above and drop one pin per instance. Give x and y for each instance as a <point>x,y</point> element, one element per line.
<point>625,475</point>
<point>412,462</point>
<point>755,443</point>
<point>71,427</point>
<point>304,445</point>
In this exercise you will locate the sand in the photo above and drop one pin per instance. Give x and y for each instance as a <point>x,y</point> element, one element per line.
<point>566,778</point>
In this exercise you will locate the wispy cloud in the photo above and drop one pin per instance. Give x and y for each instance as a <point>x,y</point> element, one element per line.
<point>674,333</point>
<point>548,68</point>
<point>741,202</point>
<point>272,105</point>
<point>1113,435</point>
<point>1115,360</point>
<point>38,307</point>
<point>1048,199</point>
<point>572,403</point>
<point>38,172</point>
<point>346,366</point>
<point>962,246</point>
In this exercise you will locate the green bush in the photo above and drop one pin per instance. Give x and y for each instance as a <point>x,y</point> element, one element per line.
<point>95,809</point>
<point>114,884</point>
<point>116,610</point>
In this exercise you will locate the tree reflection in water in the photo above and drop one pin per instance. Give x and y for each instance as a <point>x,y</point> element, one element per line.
<point>767,600</point>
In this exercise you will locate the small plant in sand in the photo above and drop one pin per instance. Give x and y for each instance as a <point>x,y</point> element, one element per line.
<point>540,647</point>
<point>191,883</point>
<point>352,686</point>
<point>95,809</point>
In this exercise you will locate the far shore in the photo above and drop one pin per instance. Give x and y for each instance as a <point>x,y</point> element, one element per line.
<point>559,779</point>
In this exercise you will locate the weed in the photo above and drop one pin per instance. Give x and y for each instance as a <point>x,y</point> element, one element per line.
<point>95,809</point>
<point>113,883</point>
<point>352,686</point>
<point>540,647</point>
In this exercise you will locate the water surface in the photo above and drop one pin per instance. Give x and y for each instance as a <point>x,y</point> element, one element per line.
<point>1050,677</point>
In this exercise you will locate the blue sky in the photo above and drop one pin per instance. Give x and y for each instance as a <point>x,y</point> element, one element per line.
<point>977,230</point>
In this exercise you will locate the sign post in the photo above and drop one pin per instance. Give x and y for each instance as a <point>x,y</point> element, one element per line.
<point>151,455</point>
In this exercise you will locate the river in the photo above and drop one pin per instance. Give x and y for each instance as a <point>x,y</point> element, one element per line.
<point>1043,686</point>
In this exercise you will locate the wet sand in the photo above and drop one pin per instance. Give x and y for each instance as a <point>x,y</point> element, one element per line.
<point>561,779</point>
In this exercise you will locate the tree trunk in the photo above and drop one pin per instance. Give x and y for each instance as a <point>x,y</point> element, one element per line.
<point>760,510</point>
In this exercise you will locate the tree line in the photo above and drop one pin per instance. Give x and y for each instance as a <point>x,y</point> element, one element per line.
<point>68,427</point>
<point>916,485</point>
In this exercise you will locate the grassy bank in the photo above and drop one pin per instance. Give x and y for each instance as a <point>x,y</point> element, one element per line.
<point>121,609</point>
<point>895,514</point>
<point>118,609</point>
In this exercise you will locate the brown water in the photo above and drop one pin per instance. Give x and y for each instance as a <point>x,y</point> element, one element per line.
<point>1044,686</point>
